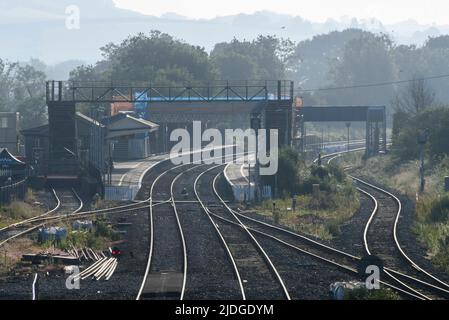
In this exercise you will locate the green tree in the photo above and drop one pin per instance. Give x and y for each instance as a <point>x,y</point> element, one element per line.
<point>435,120</point>
<point>235,66</point>
<point>263,58</point>
<point>155,57</point>
<point>441,42</point>
<point>7,71</point>
<point>311,60</point>
<point>415,98</point>
<point>430,59</point>
<point>365,60</point>
<point>22,89</point>
<point>288,172</point>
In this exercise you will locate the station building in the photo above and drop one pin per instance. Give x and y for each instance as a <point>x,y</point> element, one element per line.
<point>131,137</point>
<point>98,144</point>
<point>9,131</point>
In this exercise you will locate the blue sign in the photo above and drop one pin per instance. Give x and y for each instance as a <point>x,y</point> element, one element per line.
<point>141,107</point>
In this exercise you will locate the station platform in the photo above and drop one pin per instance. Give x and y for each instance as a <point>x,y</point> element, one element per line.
<point>127,177</point>
<point>237,176</point>
<point>130,173</point>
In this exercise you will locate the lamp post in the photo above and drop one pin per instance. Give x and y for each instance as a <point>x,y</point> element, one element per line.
<point>10,189</point>
<point>255,125</point>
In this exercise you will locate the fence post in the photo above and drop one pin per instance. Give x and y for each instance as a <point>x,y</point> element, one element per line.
<point>279,90</point>
<point>292,89</point>
<point>59,90</point>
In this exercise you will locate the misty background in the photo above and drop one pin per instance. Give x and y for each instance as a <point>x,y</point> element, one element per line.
<point>36,28</point>
<point>115,44</point>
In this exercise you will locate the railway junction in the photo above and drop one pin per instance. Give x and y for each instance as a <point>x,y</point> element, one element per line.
<point>187,231</point>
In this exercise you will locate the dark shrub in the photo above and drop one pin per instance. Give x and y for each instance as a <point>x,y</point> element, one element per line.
<point>440,210</point>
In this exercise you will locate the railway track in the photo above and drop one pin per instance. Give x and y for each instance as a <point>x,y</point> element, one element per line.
<point>303,245</point>
<point>140,205</point>
<point>258,277</point>
<point>380,239</point>
<point>68,203</point>
<point>211,274</point>
<point>226,218</point>
<point>65,210</point>
<point>231,224</point>
<point>165,274</point>
<point>166,278</point>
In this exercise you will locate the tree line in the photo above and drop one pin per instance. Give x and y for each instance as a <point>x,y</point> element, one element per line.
<point>337,59</point>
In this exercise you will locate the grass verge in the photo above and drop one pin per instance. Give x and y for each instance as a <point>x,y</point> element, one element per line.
<point>320,214</point>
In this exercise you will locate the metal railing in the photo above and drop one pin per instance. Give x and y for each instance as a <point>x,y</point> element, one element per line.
<point>13,191</point>
<point>109,92</point>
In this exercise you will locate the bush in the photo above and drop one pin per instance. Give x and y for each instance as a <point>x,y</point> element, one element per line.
<point>435,120</point>
<point>439,211</point>
<point>365,294</point>
<point>102,229</point>
<point>337,172</point>
<point>441,259</point>
<point>320,172</point>
<point>19,210</point>
<point>333,227</point>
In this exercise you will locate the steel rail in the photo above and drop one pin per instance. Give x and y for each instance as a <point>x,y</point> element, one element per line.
<point>395,237</point>
<point>80,201</point>
<point>26,231</point>
<point>150,255</point>
<point>328,248</point>
<point>337,251</point>
<point>316,256</point>
<point>254,240</point>
<point>148,266</point>
<point>220,235</point>
<point>181,233</point>
<point>313,255</point>
<point>366,245</point>
<point>33,288</point>
<point>390,271</point>
<point>58,204</point>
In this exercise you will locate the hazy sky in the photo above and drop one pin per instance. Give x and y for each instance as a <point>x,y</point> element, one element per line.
<point>388,11</point>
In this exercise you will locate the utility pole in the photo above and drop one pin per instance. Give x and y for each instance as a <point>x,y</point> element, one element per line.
<point>303,133</point>
<point>322,139</point>
<point>249,180</point>
<point>255,125</point>
<point>348,125</point>
<point>422,140</point>
<point>287,126</point>
<point>275,185</point>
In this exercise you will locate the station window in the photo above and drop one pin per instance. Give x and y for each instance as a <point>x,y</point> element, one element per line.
<point>3,123</point>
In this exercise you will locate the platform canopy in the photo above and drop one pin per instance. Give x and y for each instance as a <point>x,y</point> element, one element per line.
<point>125,125</point>
<point>8,161</point>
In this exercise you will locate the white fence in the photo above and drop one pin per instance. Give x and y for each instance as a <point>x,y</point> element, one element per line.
<point>122,193</point>
<point>241,192</point>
